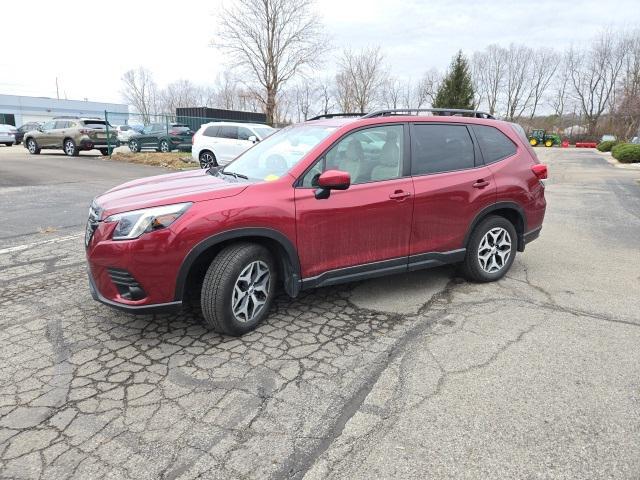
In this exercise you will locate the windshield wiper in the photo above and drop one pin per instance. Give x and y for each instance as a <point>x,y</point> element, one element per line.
<point>234,174</point>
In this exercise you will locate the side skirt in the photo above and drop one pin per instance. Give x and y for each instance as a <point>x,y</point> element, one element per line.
<point>384,267</point>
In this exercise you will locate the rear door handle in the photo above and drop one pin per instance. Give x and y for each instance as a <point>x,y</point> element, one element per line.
<point>480,183</point>
<point>399,195</point>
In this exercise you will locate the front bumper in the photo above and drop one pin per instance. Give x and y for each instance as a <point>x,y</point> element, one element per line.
<point>135,309</point>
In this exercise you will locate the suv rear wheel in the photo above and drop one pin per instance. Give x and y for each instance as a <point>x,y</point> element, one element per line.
<point>164,146</point>
<point>238,288</point>
<point>33,147</point>
<point>70,148</point>
<point>491,250</point>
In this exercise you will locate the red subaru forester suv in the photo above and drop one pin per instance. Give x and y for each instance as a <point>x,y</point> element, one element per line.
<point>335,199</point>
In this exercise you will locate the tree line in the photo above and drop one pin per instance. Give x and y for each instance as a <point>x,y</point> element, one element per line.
<point>277,48</point>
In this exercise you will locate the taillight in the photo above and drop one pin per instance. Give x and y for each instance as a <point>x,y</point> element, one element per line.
<point>84,131</point>
<point>540,171</point>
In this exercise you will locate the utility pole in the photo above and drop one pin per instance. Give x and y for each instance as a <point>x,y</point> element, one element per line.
<point>57,90</point>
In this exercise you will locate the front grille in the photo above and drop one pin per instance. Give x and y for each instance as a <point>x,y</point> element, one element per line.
<point>92,223</point>
<point>127,285</point>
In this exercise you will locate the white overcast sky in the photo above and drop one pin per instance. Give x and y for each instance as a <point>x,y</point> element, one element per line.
<point>88,45</point>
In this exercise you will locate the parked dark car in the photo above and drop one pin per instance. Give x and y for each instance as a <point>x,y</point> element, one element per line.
<point>309,207</point>
<point>24,129</point>
<point>162,137</point>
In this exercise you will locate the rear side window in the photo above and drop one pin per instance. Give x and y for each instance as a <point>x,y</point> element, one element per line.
<point>61,124</point>
<point>229,132</point>
<point>211,131</point>
<point>440,148</point>
<point>494,144</point>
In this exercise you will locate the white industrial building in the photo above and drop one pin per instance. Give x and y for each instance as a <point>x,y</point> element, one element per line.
<point>17,110</point>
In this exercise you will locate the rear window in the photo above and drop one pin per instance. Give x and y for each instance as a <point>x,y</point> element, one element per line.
<point>124,128</point>
<point>96,124</point>
<point>494,144</point>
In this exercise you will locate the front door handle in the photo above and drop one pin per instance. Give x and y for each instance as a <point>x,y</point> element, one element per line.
<point>480,183</point>
<point>399,195</point>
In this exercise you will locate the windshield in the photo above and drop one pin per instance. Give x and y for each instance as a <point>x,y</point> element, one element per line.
<point>277,154</point>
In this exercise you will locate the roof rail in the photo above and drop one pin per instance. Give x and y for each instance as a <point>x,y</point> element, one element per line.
<point>334,115</point>
<point>436,111</point>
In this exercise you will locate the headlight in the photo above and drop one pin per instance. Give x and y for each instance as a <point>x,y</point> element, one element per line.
<point>135,223</point>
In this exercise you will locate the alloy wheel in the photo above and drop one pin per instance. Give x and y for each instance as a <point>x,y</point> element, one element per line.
<point>164,146</point>
<point>31,146</point>
<point>494,250</point>
<point>69,147</point>
<point>251,291</point>
<point>206,160</point>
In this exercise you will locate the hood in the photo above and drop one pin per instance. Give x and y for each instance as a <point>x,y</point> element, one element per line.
<point>191,186</point>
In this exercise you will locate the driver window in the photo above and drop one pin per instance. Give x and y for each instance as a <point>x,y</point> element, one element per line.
<point>369,155</point>
<point>48,126</point>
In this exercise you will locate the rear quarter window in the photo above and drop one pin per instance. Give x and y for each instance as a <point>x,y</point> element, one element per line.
<point>494,144</point>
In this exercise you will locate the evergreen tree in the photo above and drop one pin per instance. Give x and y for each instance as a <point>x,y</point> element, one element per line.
<point>456,89</point>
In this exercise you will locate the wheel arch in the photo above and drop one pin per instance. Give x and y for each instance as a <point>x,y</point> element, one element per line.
<point>509,210</point>
<point>195,264</point>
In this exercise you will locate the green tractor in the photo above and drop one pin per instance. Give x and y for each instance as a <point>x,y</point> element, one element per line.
<point>541,137</point>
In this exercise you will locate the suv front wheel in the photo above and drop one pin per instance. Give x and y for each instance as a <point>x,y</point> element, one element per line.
<point>33,147</point>
<point>491,250</point>
<point>238,288</point>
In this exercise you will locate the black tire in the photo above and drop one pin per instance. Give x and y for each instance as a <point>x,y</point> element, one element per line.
<point>104,152</point>
<point>220,281</point>
<point>9,144</point>
<point>207,159</point>
<point>472,267</point>
<point>134,146</point>
<point>70,148</point>
<point>32,146</point>
<point>164,146</point>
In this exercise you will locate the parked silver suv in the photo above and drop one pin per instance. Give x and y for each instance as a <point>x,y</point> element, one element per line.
<point>72,135</point>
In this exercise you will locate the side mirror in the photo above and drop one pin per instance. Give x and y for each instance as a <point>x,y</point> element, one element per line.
<point>332,180</point>
<point>253,139</point>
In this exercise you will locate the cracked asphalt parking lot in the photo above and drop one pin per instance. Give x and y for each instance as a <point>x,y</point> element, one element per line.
<point>413,376</point>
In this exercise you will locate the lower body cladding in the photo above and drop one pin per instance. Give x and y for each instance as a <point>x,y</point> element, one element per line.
<point>98,144</point>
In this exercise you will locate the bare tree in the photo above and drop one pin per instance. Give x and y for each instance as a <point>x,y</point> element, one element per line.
<point>360,78</point>
<point>227,91</point>
<point>561,87</point>
<point>392,89</point>
<point>594,74</point>
<point>140,91</point>
<point>272,40</point>
<point>518,93</point>
<point>426,89</point>
<point>305,95</point>
<point>489,71</point>
<point>628,106</point>
<point>543,68</point>
<point>181,93</point>
<point>325,96</point>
